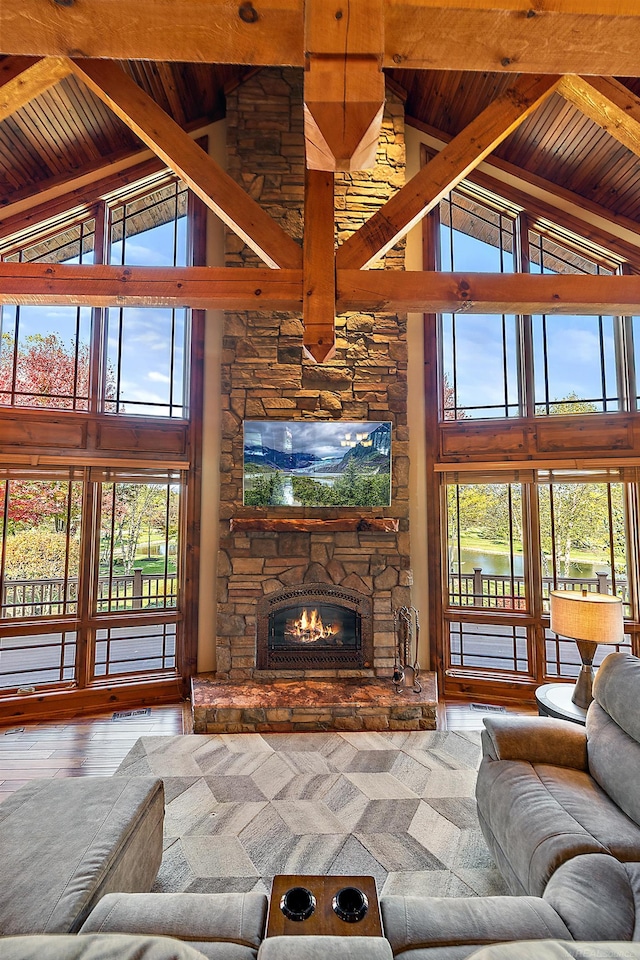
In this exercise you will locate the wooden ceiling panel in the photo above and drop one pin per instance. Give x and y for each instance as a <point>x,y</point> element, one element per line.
<point>557,142</point>
<point>69,129</point>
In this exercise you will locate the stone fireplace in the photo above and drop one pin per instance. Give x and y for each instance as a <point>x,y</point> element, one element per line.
<point>314,626</point>
<point>276,669</point>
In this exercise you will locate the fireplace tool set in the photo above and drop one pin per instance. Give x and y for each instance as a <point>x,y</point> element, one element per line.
<point>407,631</point>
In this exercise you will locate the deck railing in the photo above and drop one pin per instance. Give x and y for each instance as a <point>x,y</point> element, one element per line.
<point>501,591</point>
<point>46,598</point>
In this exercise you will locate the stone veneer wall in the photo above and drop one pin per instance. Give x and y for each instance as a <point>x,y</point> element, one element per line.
<point>265,375</point>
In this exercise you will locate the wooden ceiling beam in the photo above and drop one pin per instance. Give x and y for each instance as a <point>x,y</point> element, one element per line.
<point>383,291</point>
<point>559,36</point>
<point>109,286</point>
<point>421,194</point>
<point>608,103</point>
<point>319,274</point>
<point>261,32</point>
<point>389,291</point>
<point>518,36</point>
<point>24,78</point>
<point>343,83</point>
<point>199,171</point>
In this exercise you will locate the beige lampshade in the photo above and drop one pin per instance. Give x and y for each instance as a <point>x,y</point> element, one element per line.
<point>587,616</point>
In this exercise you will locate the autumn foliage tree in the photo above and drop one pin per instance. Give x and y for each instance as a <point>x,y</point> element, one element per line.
<point>43,516</point>
<point>45,372</point>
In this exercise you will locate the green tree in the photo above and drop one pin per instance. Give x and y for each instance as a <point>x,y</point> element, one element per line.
<point>265,491</point>
<point>132,508</point>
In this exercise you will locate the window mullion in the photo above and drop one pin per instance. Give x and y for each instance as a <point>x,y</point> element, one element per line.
<point>86,577</point>
<point>524,323</point>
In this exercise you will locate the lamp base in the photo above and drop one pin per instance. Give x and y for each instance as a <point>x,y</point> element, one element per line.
<point>582,692</point>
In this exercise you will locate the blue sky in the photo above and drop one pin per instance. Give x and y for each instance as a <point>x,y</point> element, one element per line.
<point>573,346</point>
<point>146,362</point>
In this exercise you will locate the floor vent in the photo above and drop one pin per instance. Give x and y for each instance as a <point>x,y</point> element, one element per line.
<point>488,708</point>
<point>129,714</point>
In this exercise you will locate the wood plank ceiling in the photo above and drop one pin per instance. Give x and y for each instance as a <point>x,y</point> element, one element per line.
<point>557,142</point>
<point>68,129</point>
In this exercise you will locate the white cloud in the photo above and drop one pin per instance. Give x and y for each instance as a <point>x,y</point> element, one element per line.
<point>158,377</point>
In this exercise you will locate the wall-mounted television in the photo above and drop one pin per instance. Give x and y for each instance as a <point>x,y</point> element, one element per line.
<point>317,464</point>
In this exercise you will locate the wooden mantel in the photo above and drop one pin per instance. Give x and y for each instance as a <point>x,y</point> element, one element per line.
<point>315,524</point>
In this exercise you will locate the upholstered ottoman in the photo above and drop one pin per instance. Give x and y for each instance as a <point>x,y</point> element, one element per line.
<point>222,926</point>
<point>65,843</point>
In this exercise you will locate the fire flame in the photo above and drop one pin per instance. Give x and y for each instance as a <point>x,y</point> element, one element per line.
<point>310,628</point>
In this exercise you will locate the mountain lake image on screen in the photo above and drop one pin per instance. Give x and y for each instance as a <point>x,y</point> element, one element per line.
<point>299,464</point>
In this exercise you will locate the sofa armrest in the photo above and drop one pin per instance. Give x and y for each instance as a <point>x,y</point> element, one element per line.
<point>536,740</point>
<point>413,923</point>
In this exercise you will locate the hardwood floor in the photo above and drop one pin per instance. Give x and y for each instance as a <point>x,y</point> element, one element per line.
<point>95,745</point>
<point>87,746</point>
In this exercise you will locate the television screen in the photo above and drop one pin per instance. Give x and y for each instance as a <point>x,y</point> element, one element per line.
<point>300,464</point>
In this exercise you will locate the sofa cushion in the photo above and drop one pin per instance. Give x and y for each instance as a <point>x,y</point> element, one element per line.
<point>614,759</point>
<point>222,926</point>
<point>540,816</point>
<point>65,843</point>
<point>325,948</point>
<point>552,950</point>
<point>100,947</point>
<point>421,927</point>
<point>615,689</point>
<point>595,897</point>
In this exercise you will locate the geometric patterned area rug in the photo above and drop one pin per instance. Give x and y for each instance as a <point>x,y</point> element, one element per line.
<point>242,808</point>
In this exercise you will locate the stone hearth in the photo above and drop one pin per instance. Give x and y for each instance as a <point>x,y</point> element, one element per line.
<point>283,706</point>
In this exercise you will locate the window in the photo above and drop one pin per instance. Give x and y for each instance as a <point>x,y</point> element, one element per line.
<point>93,562</point>
<point>512,525</point>
<point>131,523</point>
<point>575,360</point>
<point>130,361</point>
<point>475,237</point>
<point>577,536</point>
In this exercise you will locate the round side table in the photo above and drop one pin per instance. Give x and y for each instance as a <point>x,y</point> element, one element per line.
<point>554,700</point>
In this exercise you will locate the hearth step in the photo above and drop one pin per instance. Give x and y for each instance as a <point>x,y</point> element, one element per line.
<point>283,706</point>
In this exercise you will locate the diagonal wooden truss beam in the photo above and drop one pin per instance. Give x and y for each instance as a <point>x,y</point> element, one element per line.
<point>609,104</point>
<point>24,78</point>
<point>176,148</point>
<point>521,36</point>
<point>445,171</point>
<point>384,291</point>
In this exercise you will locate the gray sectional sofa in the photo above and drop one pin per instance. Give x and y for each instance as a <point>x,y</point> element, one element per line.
<point>559,806</point>
<point>549,790</point>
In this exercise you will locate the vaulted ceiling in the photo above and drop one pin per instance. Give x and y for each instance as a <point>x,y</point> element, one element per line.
<point>531,81</point>
<point>67,130</point>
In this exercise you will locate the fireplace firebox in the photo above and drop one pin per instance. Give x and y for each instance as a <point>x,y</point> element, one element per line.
<point>314,626</point>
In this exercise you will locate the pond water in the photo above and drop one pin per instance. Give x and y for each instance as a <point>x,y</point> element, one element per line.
<point>498,564</point>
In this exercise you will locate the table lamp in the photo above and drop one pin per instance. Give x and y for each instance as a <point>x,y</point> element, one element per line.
<point>589,619</point>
